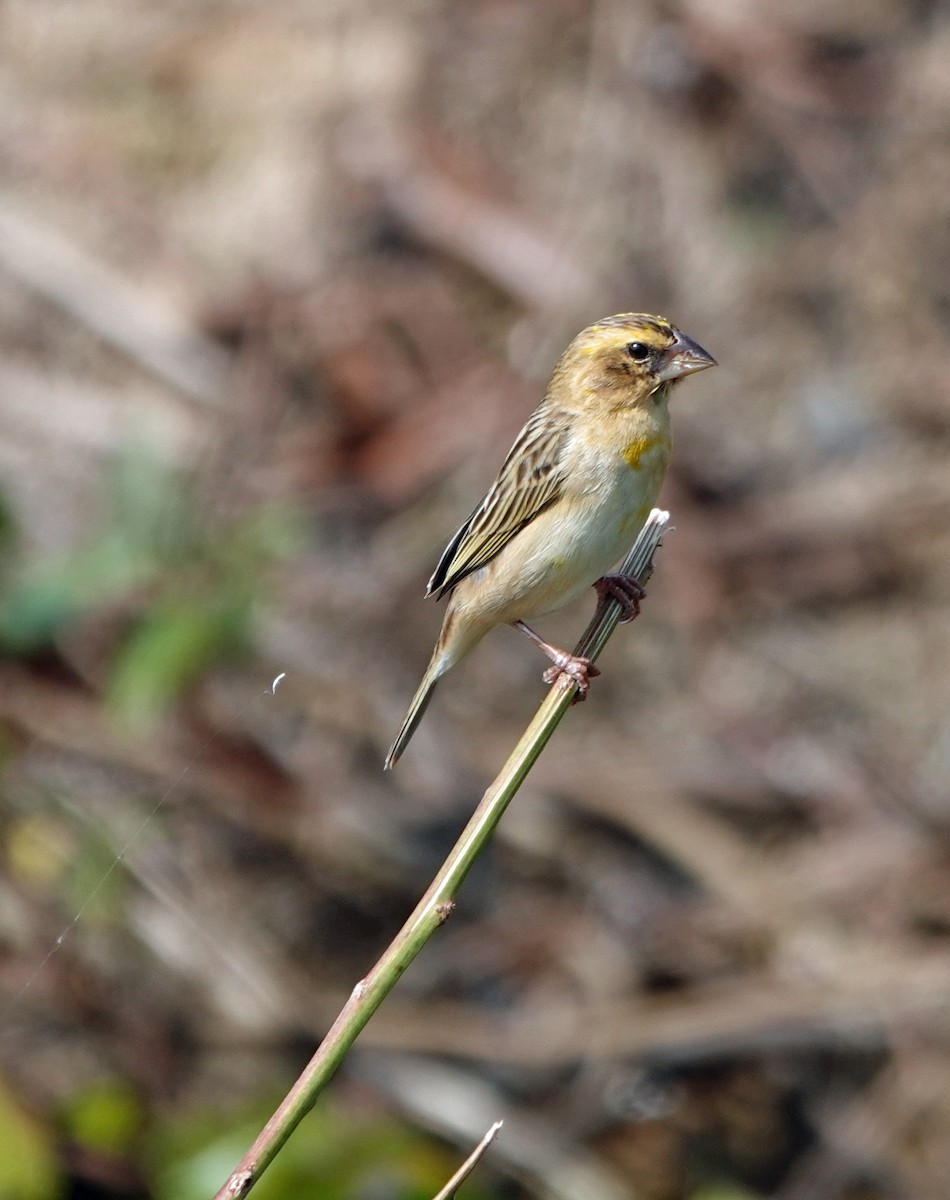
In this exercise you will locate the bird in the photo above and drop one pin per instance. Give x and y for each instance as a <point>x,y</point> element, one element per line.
<point>575,489</point>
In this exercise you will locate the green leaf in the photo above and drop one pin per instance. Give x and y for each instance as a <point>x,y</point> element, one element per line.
<point>107,1117</point>
<point>28,1169</point>
<point>169,650</point>
<point>46,599</point>
<point>342,1154</point>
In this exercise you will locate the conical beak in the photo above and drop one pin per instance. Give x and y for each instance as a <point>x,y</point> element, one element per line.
<point>684,357</point>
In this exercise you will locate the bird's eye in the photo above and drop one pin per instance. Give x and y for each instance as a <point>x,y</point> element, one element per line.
<point>638,351</point>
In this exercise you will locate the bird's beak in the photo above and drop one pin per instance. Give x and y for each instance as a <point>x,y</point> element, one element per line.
<point>684,357</point>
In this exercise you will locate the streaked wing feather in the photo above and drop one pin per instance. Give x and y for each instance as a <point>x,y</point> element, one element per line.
<point>530,479</point>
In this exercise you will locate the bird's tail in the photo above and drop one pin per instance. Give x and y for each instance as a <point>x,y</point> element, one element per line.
<point>420,702</point>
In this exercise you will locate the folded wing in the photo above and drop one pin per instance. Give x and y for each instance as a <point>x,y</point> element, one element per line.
<point>530,481</point>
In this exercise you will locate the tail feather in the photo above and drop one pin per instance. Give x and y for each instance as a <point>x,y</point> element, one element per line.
<point>420,702</point>
<point>455,641</point>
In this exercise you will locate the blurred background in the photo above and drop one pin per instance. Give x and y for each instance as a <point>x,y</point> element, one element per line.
<point>278,284</point>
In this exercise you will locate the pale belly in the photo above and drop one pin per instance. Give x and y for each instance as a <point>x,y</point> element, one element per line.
<point>564,550</point>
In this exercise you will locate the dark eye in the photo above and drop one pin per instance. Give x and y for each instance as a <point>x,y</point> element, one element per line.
<point>638,351</point>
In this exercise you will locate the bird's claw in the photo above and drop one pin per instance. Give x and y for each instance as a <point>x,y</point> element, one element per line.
<point>625,590</point>
<point>577,670</point>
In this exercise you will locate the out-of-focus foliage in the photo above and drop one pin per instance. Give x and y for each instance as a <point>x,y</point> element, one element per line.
<point>28,1166</point>
<point>104,1118</point>
<point>346,1155</point>
<point>185,589</point>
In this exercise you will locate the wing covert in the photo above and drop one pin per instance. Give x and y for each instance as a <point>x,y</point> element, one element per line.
<point>530,479</point>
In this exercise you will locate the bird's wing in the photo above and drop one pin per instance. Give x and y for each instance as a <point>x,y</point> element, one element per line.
<point>529,481</point>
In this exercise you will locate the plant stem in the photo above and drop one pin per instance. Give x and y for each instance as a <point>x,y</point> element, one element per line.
<point>439,899</point>
<point>467,1167</point>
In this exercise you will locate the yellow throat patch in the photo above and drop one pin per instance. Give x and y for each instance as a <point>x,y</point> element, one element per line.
<point>635,450</point>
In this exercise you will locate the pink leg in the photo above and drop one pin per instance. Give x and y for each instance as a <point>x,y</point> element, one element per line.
<point>625,590</point>
<point>579,670</point>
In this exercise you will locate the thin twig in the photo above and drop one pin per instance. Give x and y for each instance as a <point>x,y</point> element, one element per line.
<point>439,900</point>
<point>457,1103</point>
<point>467,1167</point>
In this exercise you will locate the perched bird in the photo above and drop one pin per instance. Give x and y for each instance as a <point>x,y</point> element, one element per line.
<point>574,491</point>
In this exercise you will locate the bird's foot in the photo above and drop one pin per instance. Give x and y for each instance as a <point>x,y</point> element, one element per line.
<point>579,671</point>
<point>625,590</point>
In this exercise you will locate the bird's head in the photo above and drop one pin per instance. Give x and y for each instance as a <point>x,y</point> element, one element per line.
<point>627,360</point>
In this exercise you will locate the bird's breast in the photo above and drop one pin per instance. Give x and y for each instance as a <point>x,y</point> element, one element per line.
<point>644,445</point>
<point>609,489</point>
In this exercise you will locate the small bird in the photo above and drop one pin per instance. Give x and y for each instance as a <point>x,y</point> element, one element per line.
<point>575,489</point>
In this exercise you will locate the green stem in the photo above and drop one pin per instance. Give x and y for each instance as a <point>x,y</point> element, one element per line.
<point>439,899</point>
